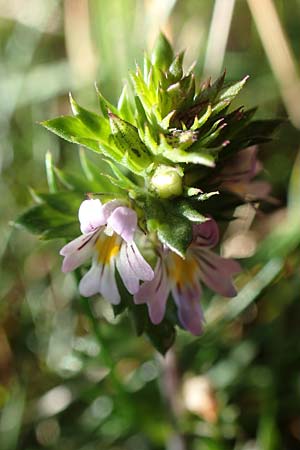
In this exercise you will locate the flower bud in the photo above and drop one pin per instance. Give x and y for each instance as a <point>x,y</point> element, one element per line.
<point>167,182</point>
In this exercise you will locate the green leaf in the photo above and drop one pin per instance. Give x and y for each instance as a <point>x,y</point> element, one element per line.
<point>146,95</point>
<point>94,175</point>
<point>175,71</point>
<point>177,155</point>
<point>232,91</point>
<point>173,229</point>
<point>162,54</point>
<point>140,114</point>
<point>198,123</point>
<point>72,129</point>
<point>77,182</point>
<point>126,138</point>
<point>104,104</point>
<point>95,123</point>
<point>162,336</point>
<point>50,173</point>
<point>66,202</point>
<point>43,219</point>
<point>124,106</point>
<point>209,92</point>
<point>67,231</point>
<point>122,182</point>
<point>187,210</point>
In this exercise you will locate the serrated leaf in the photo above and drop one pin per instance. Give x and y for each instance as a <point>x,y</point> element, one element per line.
<point>232,91</point>
<point>178,155</point>
<point>104,104</point>
<point>98,125</point>
<point>146,95</point>
<point>140,114</point>
<point>124,106</point>
<point>149,140</point>
<point>220,106</point>
<point>209,138</point>
<point>181,156</point>
<point>206,195</point>
<point>198,123</point>
<point>173,229</point>
<point>72,129</point>
<point>162,54</point>
<point>147,67</point>
<point>209,92</point>
<point>187,210</point>
<point>42,218</point>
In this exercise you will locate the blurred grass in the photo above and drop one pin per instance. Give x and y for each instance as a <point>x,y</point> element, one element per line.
<point>64,385</point>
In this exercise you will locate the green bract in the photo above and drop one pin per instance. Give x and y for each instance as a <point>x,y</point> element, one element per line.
<point>169,132</point>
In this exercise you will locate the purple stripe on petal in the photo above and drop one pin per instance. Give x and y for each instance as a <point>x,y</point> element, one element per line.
<point>139,265</point>
<point>187,298</point>
<point>90,215</point>
<point>127,274</point>
<point>217,272</point>
<point>123,221</point>
<point>155,293</point>
<point>77,251</point>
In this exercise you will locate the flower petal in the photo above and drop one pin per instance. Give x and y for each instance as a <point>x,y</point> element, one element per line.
<point>216,272</point>
<point>90,283</point>
<point>187,298</point>
<point>139,265</point>
<point>123,221</point>
<point>90,215</point>
<point>77,251</point>
<point>108,284</point>
<point>242,167</point>
<point>109,207</point>
<point>206,234</point>
<point>127,274</point>
<point>155,293</point>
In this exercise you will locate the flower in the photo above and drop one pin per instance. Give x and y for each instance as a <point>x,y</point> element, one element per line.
<point>108,232</point>
<point>237,176</point>
<point>182,278</point>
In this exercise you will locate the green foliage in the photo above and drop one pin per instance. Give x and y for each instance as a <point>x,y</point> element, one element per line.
<point>57,349</point>
<point>158,147</point>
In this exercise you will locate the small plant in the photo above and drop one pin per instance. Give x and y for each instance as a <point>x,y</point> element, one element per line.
<point>178,160</point>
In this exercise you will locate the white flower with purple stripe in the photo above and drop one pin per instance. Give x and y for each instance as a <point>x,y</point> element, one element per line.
<point>182,278</point>
<point>108,232</point>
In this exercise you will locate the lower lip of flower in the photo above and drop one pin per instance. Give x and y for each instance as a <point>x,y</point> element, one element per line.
<point>181,270</point>
<point>107,247</point>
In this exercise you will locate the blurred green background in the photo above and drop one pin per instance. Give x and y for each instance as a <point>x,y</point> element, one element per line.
<point>72,376</point>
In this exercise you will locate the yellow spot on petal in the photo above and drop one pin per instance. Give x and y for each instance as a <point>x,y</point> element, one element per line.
<point>181,270</point>
<point>107,247</point>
